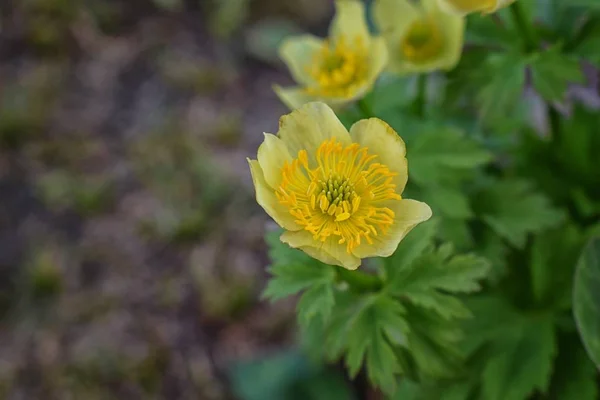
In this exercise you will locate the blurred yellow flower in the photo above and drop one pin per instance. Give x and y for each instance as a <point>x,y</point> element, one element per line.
<point>336,193</point>
<point>464,7</point>
<point>337,70</point>
<point>420,36</point>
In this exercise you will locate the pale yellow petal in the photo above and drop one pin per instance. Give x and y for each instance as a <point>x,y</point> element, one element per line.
<point>293,97</point>
<point>464,7</point>
<point>309,126</point>
<point>350,22</point>
<point>265,197</point>
<point>272,154</point>
<point>382,139</point>
<point>298,53</point>
<point>453,28</point>
<point>408,214</point>
<point>500,4</point>
<point>452,31</point>
<point>329,251</point>
<point>393,17</point>
<point>319,254</point>
<point>378,59</point>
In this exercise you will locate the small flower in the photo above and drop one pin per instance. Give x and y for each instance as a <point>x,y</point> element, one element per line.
<point>336,193</point>
<point>420,37</point>
<point>464,7</point>
<point>337,70</point>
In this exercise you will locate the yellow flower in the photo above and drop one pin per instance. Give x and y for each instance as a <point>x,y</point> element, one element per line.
<point>464,7</point>
<point>337,70</point>
<point>336,193</point>
<point>420,37</point>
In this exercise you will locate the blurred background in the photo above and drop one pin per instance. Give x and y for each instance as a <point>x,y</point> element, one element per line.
<point>131,248</point>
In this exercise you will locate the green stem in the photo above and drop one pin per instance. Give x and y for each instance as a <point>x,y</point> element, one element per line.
<point>421,95</point>
<point>524,26</point>
<point>554,124</point>
<point>359,281</point>
<point>582,33</point>
<point>365,109</point>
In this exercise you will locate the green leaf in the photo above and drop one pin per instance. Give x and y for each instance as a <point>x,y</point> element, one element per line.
<point>382,364</point>
<point>590,4</point>
<point>587,47</point>
<point>513,210</point>
<point>553,71</point>
<point>365,327</point>
<point>451,202</point>
<point>433,344</point>
<point>484,31</point>
<point>502,80</point>
<point>411,247</point>
<point>522,361</point>
<point>436,152</point>
<point>409,390</point>
<point>318,300</point>
<point>287,376</point>
<point>294,271</point>
<point>280,253</point>
<point>455,231</point>
<point>493,248</point>
<point>586,299</point>
<point>289,279</point>
<point>554,256</point>
<point>575,375</point>
<point>390,93</point>
<point>423,280</point>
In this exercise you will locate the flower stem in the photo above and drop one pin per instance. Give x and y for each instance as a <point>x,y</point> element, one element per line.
<point>359,281</point>
<point>524,26</point>
<point>365,109</point>
<point>554,125</point>
<point>421,95</point>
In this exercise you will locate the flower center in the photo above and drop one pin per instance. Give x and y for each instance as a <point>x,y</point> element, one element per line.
<point>422,42</point>
<point>344,193</point>
<point>338,68</point>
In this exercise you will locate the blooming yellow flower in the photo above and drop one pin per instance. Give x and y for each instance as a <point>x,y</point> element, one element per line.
<point>420,37</point>
<point>464,7</point>
<point>337,70</point>
<point>336,193</point>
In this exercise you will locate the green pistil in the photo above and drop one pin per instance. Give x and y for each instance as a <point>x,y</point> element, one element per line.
<point>336,190</point>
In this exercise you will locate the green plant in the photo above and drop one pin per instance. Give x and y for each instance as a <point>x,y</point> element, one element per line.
<point>478,302</point>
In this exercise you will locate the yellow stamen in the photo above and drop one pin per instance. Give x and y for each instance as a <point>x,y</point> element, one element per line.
<point>346,196</point>
<point>338,68</point>
<point>423,41</point>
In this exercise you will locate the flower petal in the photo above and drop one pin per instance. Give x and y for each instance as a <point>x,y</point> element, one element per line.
<point>298,52</point>
<point>378,58</point>
<point>309,126</point>
<point>265,197</point>
<point>272,154</point>
<point>453,28</point>
<point>382,139</point>
<point>293,97</point>
<point>464,7</point>
<point>328,252</point>
<point>408,214</point>
<point>393,17</point>
<point>387,14</point>
<point>350,22</point>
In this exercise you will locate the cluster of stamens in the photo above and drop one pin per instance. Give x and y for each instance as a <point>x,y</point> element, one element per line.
<point>422,41</point>
<point>345,195</point>
<point>338,68</point>
<point>336,197</point>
